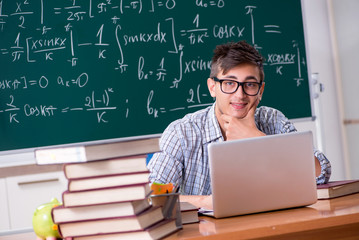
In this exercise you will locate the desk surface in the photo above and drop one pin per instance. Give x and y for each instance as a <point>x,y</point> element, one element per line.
<point>327,219</point>
<point>330,219</point>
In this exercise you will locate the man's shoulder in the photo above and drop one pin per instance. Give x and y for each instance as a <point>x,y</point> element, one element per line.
<point>269,114</point>
<point>267,111</point>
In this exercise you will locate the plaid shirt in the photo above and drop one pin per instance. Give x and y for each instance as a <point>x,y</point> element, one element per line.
<point>183,158</point>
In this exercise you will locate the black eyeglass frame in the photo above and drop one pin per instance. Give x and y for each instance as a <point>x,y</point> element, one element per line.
<point>238,84</point>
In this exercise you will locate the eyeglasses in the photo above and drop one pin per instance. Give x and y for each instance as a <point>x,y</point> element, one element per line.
<point>231,86</point>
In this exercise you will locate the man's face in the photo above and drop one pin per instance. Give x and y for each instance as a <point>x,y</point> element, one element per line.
<point>236,104</point>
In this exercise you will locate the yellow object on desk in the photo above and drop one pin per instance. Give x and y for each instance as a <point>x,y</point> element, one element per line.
<point>160,188</point>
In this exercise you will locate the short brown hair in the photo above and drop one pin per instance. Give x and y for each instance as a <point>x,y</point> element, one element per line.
<point>230,55</point>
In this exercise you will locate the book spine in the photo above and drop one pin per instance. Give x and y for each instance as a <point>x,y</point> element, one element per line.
<point>114,187</point>
<point>108,175</point>
<point>146,189</point>
<point>103,218</point>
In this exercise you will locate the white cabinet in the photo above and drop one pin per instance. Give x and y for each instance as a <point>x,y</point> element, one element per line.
<point>4,213</point>
<point>25,193</point>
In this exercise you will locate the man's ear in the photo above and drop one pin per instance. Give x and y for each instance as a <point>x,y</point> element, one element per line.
<point>261,91</point>
<point>211,84</point>
<point>260,94</point>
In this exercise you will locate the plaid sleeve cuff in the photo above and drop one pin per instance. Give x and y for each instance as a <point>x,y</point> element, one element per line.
<point>326,168</point>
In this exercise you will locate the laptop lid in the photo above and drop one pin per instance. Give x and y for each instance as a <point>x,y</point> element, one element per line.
<point>262,174</point>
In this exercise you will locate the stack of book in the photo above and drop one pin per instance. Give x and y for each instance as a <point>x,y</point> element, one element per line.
<point>108,192</point>
<point>189,213</point>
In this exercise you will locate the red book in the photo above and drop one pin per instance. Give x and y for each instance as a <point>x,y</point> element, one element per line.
<point>158,231</point>
<point>91,183</point>
<point>61,214</point>
<point>113,166</point>
<point>337,189</point>
<point>106,195</point>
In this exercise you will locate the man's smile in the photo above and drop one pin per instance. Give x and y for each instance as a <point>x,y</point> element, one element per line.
<point>238,106</point>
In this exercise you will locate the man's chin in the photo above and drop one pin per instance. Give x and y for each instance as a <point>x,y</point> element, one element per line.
<point>242,113</point>
<point>238,115</point>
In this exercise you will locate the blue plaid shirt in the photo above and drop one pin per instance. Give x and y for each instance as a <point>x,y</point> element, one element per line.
<point>183,158</point>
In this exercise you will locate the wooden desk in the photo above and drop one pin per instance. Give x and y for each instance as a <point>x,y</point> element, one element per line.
<point>327,219</point>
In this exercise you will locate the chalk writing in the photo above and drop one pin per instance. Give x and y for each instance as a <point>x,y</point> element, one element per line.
<point>128,67</point>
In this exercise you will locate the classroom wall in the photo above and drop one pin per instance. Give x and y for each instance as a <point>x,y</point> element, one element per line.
<point>345,19</point>
<point>328,129</point>
<point>322,54</point>
<point>333,40</point>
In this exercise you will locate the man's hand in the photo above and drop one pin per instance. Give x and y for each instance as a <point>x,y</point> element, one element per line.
<point>200,201</point>
<point>235,128</point>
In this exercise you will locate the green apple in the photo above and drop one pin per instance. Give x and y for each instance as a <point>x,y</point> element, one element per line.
<point>42,222</point>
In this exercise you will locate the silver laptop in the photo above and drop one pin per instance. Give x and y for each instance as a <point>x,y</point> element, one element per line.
<point>262,174</point>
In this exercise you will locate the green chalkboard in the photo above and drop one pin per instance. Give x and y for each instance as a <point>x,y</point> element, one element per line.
<point>75,71</point>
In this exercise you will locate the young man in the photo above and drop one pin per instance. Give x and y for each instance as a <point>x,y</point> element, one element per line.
<point>237,83</point>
